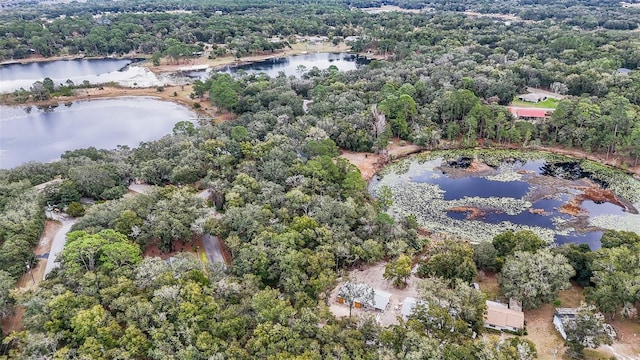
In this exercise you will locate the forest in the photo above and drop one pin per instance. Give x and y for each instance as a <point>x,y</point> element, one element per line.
<point>295,217</point>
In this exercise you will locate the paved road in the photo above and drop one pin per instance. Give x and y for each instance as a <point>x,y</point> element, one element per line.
<point>57,245</point>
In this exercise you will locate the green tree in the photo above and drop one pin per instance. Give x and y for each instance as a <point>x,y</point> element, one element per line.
<point>184,128</point>
<point>155,59</point>
<point>535,278</point>
<point>615,275</point>
<point>587,329</point>
<point>398,270</point>
<point>451,309</point>
<point>450,260</point>
<point>352,292</point>
<point>7,283</point>
<point>75,209</point>
<point>508,242</point>
<point>223,93</point>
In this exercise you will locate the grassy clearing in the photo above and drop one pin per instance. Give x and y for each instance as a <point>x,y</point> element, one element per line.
<point>549,103</point>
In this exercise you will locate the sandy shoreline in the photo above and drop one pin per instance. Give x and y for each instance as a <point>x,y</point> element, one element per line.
<point>182,97</point>
<point>200,62</point>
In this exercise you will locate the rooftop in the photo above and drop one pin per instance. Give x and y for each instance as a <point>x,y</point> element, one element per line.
<point>528,112</point>
<point>501,316</point>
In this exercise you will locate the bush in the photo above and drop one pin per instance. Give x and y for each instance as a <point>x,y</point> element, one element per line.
<point>197,105</point>
<point>75,209</point>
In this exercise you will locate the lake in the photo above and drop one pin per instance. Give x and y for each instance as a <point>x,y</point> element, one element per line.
<point>16,76</point>
<point>292,65</point>
<point>44,134</point>
<point>559,200</point>
<point>124,72</point>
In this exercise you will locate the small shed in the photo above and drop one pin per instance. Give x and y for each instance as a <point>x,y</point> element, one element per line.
<point>560,318</point>
<point>500,317</point>
<point>533,97</point>
<point>409,305</point>
<point>380,299</point>
<point>624,71</point>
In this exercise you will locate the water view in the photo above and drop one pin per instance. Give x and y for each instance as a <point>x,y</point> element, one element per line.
<point>559,201</point>
<point>15,76</point>
<point>293,65</point>
<point>43,134</point>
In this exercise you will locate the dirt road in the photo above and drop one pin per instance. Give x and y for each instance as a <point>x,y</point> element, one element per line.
<point>57,244</point>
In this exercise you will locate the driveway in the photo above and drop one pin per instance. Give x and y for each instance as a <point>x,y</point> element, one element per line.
<point>57,244</point>
<point>212,248</point>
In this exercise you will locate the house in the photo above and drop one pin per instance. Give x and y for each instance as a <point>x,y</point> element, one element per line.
<point>379,301</point>
<point>624,71</point>
<point>500,317</point>
<point>533,97</point>
<point>560,318</point>
<point>531,114</point>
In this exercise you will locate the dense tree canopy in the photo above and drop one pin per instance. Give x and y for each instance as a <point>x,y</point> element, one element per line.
<point>292,213</point>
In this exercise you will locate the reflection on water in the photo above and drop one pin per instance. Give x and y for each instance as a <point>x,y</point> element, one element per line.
<point>479,196</point>
<point>480,187</point>
<point>99,71</point>
<point>293,65</point>
<point>43,134</point>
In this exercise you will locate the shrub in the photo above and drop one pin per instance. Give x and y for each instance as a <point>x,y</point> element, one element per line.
<point>75,209</point>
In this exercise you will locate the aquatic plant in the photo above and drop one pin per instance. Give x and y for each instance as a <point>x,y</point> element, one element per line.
<point>627,222</point>
<point>426,201</point>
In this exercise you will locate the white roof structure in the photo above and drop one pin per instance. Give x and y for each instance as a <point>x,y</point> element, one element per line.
<point>381,299</point>
<point>407,307</point>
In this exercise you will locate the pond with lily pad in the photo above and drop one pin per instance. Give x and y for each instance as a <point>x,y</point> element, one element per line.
<point>476,195</point>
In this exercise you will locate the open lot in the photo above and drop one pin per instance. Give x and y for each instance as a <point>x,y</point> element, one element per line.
<point>372,275</point>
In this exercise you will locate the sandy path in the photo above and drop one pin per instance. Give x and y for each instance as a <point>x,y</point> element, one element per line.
<point>33,278</point>
<point>369,163</point>
<point>57,244</point>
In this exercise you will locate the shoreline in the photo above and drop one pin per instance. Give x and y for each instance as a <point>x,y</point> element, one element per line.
<point>166,66</point>
<point>111,92</point>
<point>42,59</point>
<point>371,164</point>
<point>218,63</point>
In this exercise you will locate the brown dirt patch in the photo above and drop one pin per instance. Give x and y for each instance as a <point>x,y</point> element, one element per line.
<point>400,148</point>
<point>489,285</point>
<point>195,247</point>
<point>539,324</point>
<point>594,193</point>
<point>50,230</point>
<point>627,345</point>
<point>473,213</point>
<point>368,163</point>
<point>372,275</point>
<point>477,166</point>
<point>537,211</point>
<point>108,92</point>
